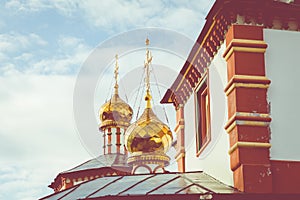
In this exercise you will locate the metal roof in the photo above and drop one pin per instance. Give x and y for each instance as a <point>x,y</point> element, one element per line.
<point>107,160</point>
<point>145,185</point>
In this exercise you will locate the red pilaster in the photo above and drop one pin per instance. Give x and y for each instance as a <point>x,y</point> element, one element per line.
<point>248,111</point>
<point>118,135</point>
<point>124,145</point>
<point>104,142</point>
<point>109,140</point>
<point>180,147</point>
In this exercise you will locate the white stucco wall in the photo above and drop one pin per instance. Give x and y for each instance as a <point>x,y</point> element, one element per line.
<point>283,69</point>
<point>214,160</point>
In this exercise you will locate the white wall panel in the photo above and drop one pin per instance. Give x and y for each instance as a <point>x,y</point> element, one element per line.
<point>283,69</point>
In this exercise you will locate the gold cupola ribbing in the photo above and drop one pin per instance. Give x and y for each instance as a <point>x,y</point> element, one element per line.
<point>115,116</point>
<point>148,139</point>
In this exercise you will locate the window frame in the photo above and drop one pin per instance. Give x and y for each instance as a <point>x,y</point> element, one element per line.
<point>202,108</point>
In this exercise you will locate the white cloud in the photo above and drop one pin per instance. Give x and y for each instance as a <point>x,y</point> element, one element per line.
<point>36,39</point>
<point>118,15</point>
<point>25,57</point>
<point>69,56</point>
<point>26,54</point>
<point>27,5</point>
<point>65,7</point>
<point>13,4</point>
<point>16,42</point>
<point>38,138</point>
<point>57,65</point>
<point>30,102</point>
<point>69,42</point>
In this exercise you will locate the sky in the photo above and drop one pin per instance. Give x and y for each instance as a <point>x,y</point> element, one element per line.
<point>44,47</point>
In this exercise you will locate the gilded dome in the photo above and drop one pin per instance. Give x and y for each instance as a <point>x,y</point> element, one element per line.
<point>148,134</point>
<point>115,112</point>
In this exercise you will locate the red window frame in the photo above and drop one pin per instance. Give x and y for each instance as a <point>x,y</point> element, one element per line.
<point>202,115</point>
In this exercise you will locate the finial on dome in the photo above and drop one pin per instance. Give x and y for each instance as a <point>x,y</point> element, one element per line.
<point>116,72</point>
<point>147,41</point>
<point>147,63</point>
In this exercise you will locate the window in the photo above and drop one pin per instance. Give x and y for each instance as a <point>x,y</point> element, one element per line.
<point>202,109</point>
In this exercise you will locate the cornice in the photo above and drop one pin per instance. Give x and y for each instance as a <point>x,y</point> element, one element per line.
<point>268,13</point>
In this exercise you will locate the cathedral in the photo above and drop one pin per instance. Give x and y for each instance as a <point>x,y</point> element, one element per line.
<point>236,93</point>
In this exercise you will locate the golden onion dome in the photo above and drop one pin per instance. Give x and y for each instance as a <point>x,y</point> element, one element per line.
<point>115,112</point>
<point>148,134</point>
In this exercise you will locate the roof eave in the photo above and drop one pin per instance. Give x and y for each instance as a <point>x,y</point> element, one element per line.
<point>207,45</point>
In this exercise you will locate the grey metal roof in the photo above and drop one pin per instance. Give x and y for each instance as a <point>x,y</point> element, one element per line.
<point>147,184</point>
<point>107,160</point>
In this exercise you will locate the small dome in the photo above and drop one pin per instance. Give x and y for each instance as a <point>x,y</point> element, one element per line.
<point>115,112</point>
<point>148,134</point>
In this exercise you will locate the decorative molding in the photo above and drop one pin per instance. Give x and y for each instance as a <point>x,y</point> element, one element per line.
<point>247,114</point>
<point>248,145</point>
<point>246,81</point>
<point>247,118</point>
<point>247,42</point>
<point>246,85</point>
<point>199,59</point>
<point>247,78</point>
<point>244,45</point>
<point>243,49</point>
<point>138,158</point>
<point>246,123</point>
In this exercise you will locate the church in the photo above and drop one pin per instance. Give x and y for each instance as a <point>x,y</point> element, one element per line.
<point>236,94</point>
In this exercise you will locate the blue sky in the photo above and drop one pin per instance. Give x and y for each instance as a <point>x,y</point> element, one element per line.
<point>43,45</point>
